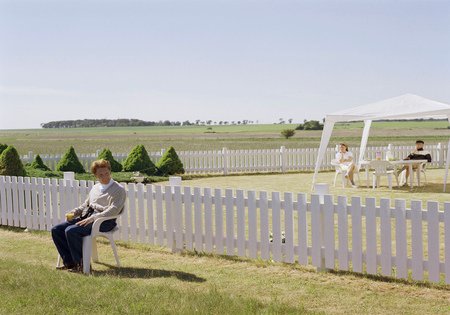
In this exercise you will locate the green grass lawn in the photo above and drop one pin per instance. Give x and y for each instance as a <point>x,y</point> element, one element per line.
<point>154,281</point>
<point>121,140</point>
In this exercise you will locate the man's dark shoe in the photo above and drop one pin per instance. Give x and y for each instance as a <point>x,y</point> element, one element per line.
<point>65,267</point>
<point>77,268</point>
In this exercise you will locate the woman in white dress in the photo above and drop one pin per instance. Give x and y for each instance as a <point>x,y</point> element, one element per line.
<point>345,159</point>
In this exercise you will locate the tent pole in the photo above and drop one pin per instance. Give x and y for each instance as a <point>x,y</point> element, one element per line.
<point>447,164</point>
<point>326,135</point>
<point>364,138</point>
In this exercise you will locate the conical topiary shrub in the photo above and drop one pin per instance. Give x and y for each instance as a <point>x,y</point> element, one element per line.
<point>170,163</point>
<point>2,147</point>
<point>70,163</point>
<point>107,155</point>
<point>10,163</point>
<point>138,160</point>
<point>39,164</point>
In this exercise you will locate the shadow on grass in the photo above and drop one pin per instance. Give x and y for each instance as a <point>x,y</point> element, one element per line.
<point>379,278</point>
<point>145,273</point>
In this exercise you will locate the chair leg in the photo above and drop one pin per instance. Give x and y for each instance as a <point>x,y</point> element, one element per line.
<point>396,178</point>
<point>87,252</point>
<point>58,261</point>
<point>114,248</point>
<point>374,181</point>
<point>343,180</point>
<point>94,250</point>
<point>390,181</point>
<point>425,177</point>
<point>335,178</point>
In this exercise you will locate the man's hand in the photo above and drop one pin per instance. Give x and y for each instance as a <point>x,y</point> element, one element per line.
<point>85,222</point>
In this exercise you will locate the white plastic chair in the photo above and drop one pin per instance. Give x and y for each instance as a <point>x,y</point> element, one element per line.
<point>339,170</point>
<point>422,168</point>
<point>90,244</point>
<point>381,168</point>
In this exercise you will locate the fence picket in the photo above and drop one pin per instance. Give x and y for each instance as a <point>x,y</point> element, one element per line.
<point>218,215</point>
<point>132,211</point>
<point>371,236</point>
<point>302,229</point>
<point>385,232</point>
<point>169,216</point>
<point>159,215</point>
<point>328,213</point>
<point>400,239</point>
<point>416,240</point>
<point>15,210</point>
<point>3,216</point>
<point>288,228</point>
<point>207,201</point>
<point>240,211</point>
<point>433,241</point>
<point>264,225</point>
<point>198,219</point>
<point>252,225</point>
<point>342,232</point>
<point>141,212</point>
<point>187,201</point>
<point>447,241</point>
<point>9,203</point>
<point>316,236</point>
<point>229,208</point>
<point>356,234</point>
<point>21,194</point>
<point>276,228</point>
<point>150,215</point>
<point>178,218</point>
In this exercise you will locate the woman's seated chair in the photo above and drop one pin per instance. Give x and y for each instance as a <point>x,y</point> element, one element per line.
<point>90,244</point>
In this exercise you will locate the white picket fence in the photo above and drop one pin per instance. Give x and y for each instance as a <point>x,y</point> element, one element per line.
<point>265,160</point>
<point>381,239</point>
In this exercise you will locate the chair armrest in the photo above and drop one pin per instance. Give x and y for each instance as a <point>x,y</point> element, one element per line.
<point>99,221</point>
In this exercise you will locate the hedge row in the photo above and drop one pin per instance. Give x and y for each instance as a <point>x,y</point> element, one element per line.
<point>137,161</point>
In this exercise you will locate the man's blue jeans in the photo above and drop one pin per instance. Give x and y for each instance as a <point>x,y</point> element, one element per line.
<point>68,239</point>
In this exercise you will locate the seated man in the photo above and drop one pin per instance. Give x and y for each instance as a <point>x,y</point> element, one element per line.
<point>418,154</point>
<point>345,159</point>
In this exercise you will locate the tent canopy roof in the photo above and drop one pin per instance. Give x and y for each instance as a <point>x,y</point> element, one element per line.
<point>407,106</point>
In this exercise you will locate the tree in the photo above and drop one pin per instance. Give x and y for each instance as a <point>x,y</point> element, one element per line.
<point>310,125</point>
<point>2,147</point>
<point>70,162</point>
<point>170,163</point>
<point>10,163</point>
<point>107,155</point>
<point>39,164</point>
<point>139,161</point>
<point>287,133</point>
<point>290,120</point>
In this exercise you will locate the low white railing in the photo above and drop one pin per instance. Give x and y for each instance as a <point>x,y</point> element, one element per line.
<point>227,161</point>
<point>386,239</point>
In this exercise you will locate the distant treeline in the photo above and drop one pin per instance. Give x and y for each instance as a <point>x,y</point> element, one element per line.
<point>83,123</point>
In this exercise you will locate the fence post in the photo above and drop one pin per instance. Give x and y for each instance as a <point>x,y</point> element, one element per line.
<point>283,158</point>
<point>321,189</point>
<point>225,160</point>
<point>30,156</point>
<point>440,151</point>
<point>97,153</point>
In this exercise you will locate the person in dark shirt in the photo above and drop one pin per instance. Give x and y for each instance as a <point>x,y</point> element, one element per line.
<point>418,154</point>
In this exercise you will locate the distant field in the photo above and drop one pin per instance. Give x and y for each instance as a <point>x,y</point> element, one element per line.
<point>122,139</point>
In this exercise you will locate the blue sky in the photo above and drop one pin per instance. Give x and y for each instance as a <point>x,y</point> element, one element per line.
<point>219,60</point>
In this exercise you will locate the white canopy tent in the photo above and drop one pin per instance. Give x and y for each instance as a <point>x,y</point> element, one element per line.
<point>406,106</point>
